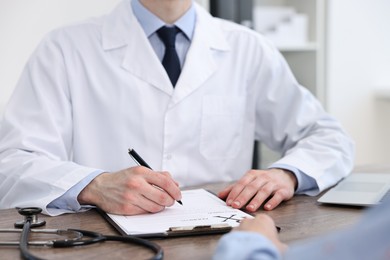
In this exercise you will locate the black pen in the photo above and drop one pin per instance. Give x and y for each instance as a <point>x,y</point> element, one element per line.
<point>138,159</point>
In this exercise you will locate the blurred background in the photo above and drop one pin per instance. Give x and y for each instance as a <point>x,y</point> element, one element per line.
<point>338,49</point>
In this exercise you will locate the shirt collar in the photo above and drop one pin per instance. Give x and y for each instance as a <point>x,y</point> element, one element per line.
<point>150,23</point>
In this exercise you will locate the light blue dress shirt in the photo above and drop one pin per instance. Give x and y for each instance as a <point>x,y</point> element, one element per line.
<point>150,23</point>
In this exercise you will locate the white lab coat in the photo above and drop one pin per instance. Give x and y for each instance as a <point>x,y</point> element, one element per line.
<point>92,90</point>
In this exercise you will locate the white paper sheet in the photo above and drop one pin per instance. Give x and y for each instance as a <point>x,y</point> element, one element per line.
<point>200,208</point>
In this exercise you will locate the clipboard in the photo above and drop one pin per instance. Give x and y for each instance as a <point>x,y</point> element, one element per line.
<point>202,213</point>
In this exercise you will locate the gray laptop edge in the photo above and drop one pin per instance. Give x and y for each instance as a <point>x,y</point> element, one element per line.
<point>359,189</point>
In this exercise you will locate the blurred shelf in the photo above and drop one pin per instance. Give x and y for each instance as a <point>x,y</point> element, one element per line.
<point>310,46</point>
<point>383,94</point>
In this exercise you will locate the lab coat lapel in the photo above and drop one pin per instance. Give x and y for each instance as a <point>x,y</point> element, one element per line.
<point>141,60</point>
<point>200,63</point>
<point>121,29</point>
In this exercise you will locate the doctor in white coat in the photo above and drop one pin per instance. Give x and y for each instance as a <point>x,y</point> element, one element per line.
<point>92,90</point>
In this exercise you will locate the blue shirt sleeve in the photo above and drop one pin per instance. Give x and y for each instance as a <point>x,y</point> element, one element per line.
<point>68,201</point>
<point>305,182</point>
<point>367,239</point>
<point>238,245</point>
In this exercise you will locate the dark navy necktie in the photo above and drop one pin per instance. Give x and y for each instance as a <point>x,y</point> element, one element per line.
<point>170,61</point>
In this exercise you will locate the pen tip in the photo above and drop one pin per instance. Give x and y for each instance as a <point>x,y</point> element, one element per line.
<point>179,201</point>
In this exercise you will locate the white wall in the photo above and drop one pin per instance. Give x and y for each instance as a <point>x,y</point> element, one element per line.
<point>358,64</point>
<point>23,23</point>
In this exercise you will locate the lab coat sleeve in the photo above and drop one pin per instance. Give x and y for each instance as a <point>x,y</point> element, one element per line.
<point>69,199</point>
<point>36,135</point>
<point>293,122</point>
<point>239,245</point>
<point>305,182</point>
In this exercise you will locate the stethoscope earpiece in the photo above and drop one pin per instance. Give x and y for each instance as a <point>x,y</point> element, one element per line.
<point>30,214</point>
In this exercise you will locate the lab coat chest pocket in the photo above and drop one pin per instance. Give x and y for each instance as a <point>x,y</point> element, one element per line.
<point>222,126</point>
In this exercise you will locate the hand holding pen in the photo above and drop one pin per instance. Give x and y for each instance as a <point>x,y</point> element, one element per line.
<point>131,191</point>
<point>138,159</point>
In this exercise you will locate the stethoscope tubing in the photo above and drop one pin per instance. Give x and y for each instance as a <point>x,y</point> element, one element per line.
<point>159,253</point>
<point>70,234</point>
<point>79,237</point>
<point>23,245</point>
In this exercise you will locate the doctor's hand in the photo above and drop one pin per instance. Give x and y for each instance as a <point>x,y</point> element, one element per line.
<point>264,225</point>
<point>256,186</point>
<point>131,191</point>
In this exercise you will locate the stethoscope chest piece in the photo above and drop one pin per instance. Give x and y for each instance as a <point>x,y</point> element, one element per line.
<point>30,214</point>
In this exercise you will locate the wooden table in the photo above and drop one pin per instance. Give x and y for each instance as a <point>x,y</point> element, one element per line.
<point>299,218</point>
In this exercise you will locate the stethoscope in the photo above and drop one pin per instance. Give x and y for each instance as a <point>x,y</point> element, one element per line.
<point>74,237</point>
